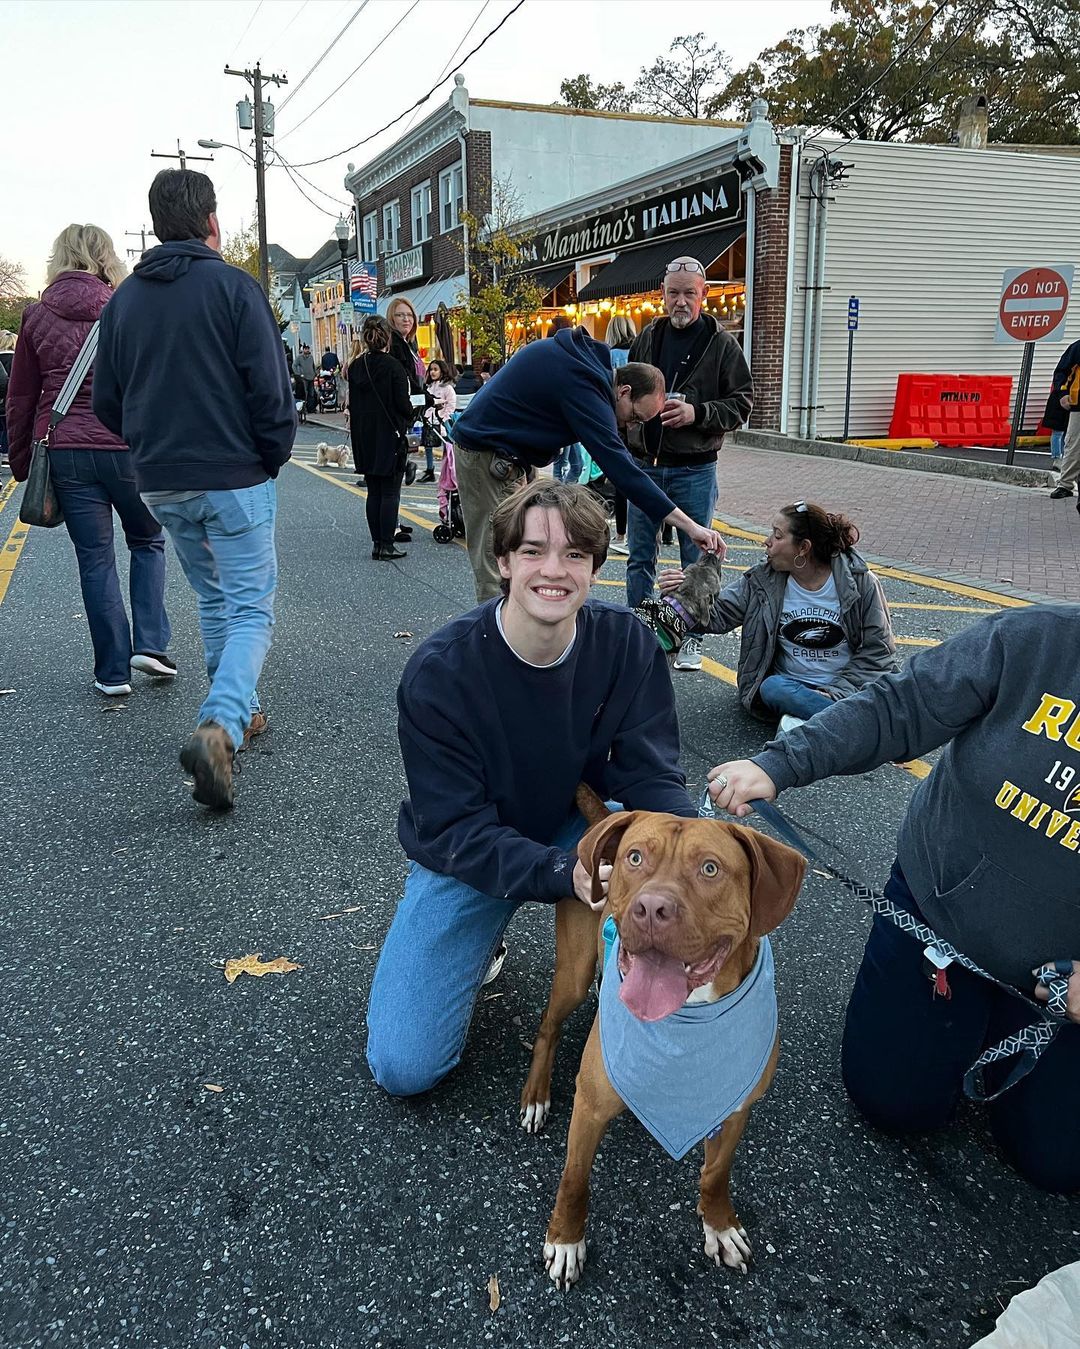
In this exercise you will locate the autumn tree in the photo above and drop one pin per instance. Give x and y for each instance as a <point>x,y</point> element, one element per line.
<point>501,290</point>
<point>241,249</point>
<point>13,297</point>
<point>685,82</point>
<point>580,92</point>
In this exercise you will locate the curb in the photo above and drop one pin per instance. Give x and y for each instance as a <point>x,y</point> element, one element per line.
<point>923,463</point>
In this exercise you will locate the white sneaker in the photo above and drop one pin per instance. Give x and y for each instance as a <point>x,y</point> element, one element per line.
<point>789,724</point>
<point>617,546</point>
<point>495,968</point>
<point>689,657</point>
<point>112,690</point>
<point>163,667</point>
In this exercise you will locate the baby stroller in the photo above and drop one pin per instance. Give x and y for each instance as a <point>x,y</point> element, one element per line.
<point>326,391</point>
<point>451,525</point>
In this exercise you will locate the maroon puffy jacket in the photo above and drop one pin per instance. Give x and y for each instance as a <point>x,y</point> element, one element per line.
<point>52,332</point>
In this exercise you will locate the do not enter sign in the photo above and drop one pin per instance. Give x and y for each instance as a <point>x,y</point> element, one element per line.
<point>1033,302</point>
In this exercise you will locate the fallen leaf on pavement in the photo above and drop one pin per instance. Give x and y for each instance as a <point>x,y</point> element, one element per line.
<point>212,1086</point>
<point>818,872</point>
<point>493,1293</point>
<point>354,909</point>
<point>402,634</point>
<point>6,693</point>
<point>253,965</point>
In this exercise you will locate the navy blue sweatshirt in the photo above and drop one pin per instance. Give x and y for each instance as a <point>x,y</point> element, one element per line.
<point>550,394</point>
<point>494,748</point>
<point>191,372</point>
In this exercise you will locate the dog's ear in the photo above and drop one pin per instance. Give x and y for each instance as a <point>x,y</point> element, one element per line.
<point>601,843</point>
<point>776,876</point>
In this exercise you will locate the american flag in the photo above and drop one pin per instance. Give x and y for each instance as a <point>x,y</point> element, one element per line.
<point>362,279</point>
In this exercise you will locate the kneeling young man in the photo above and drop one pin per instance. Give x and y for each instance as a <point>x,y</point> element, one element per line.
<point>501,714</point>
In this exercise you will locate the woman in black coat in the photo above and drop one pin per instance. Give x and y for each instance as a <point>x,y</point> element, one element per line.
<point>1056,417</point>
<point>379,413</point>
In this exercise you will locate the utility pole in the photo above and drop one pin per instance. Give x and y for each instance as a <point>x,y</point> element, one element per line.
<point>136,234</point>
<point>182,156</point>
<point>257,79</point>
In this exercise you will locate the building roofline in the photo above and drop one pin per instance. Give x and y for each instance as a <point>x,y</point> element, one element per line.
<point>596,112</point>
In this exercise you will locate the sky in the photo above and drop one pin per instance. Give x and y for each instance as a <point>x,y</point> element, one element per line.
<point>93,86</point>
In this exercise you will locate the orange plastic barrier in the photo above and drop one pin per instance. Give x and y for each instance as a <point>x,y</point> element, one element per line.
<point>953,409</point>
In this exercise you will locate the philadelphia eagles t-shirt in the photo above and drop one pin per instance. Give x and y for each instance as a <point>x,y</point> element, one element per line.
<point>812,647</point>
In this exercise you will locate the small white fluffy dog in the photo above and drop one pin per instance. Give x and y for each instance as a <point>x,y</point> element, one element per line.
<point>331,454</point>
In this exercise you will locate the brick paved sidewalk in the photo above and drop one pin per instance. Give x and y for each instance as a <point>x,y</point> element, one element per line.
<point>1009,538</point>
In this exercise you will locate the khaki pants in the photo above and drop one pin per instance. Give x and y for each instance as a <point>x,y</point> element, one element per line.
<point>479,494</point>
<point>1070,463</point>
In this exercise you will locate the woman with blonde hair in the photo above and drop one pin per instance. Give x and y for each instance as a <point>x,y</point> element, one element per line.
<point>403,322</point>
<point>90,467</point>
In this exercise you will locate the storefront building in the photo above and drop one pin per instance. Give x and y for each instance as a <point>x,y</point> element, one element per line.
<point>411,200</point>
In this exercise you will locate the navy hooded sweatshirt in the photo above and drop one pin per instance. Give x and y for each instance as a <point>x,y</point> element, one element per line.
<point>191,372</point>
<point>550,394</point>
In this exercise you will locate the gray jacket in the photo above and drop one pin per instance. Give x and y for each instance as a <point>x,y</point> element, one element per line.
<point>990,845</point>
<point>756,602</point>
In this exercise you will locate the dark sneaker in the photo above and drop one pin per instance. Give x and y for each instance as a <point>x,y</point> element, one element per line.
<point>162,667</point>
<point>208,757</point>
<point>1059,492</point>
<point>256,726</point>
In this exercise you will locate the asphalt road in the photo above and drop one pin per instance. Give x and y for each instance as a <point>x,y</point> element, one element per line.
<point>298,1206</point>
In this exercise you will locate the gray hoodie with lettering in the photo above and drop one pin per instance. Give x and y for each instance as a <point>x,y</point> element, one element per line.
<point>990,845</point>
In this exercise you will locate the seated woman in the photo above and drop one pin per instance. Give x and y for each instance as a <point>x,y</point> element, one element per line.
<point>815,624</point>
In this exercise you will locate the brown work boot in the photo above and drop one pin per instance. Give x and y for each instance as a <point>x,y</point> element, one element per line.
<point>256,726</point>
<point>208,757</point>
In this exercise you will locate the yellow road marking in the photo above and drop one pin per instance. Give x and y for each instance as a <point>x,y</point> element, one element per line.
<point>916,641</point>
<point>932,582</point>
<point>10,555</point>
<point>943,608</point>
<point>359,492</point>
<point>7,493</point>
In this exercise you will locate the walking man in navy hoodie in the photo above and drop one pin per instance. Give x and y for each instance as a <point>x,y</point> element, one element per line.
<point>551,394</point>
<point>501,714</point>
<point>191,372</point>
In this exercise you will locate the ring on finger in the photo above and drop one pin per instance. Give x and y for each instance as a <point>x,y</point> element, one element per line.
<point>721,782</point>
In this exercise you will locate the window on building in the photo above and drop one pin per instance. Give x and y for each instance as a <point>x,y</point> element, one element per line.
<point>370,227</point>
<point>391,225</point>
<point>421,213</point>
<point>451,202</point>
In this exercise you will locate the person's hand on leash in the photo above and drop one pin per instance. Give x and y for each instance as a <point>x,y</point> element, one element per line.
<point>670,579</point>
<point>733,785</point>
<point>1072,1007</point>
<point>583,885</point>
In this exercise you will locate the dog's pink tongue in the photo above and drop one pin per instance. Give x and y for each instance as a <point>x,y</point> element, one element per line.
<point>654,986</point>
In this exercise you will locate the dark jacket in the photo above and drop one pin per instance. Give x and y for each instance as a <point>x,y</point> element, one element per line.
<point>191,369</point>
<point>550,394</point>
<point>755,603</point>
<point>468,382</point>
<point>403,353</point>
<point>379,413</point>
<point>1055,418</point>
<point>717,383</point>
<point>51,336</point>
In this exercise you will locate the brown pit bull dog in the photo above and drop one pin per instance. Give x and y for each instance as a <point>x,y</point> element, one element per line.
<point>687,1019</point>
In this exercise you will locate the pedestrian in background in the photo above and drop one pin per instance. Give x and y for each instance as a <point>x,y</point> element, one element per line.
<point>330,361</point>
<point>442,402</point>
<point>191,365</point>
<point>710,392</point>
<point>815,625</point>
<point>7,355</point>
<point>620,337</point>
<point>401,317</point>
<point>1063,418</point>
<point>305,368</point>
<point>380,413</point>
<point>570,461</point>
<point>90,465</point>
<point>467,383</point>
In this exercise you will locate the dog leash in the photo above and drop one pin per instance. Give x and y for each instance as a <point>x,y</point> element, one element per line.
<point>1026,1045</point>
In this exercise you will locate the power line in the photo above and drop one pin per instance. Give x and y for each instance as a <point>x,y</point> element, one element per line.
<point>282,162</point>
<point>348,24</point>
<point>353,72</point>
<point>446,68</point>
<point>334,215</point>
<point>251,20</point>
<point>420,101</point>
<point>280,35</point>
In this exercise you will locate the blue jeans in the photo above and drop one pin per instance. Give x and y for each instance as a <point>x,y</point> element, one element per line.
<point>905,1053</point>
<point>787,697</point>
<point>89,485</point>
<point>1057,446</point>
<point>693,490</point>
<point>225,543</point>
<point>567,467</point>
<point>430,972</point>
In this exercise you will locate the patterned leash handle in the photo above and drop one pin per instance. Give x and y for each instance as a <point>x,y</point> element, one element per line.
<point>1025,1045</point>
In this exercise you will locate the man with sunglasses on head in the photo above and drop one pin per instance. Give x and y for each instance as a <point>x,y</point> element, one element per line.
<point>550,394</point>
<point>711,392</point>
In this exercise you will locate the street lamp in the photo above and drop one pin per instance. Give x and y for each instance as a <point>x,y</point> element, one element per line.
<point>341,229</point>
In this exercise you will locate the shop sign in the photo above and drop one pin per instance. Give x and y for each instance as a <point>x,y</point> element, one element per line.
<point>716,200</point>
<point>412,265</point>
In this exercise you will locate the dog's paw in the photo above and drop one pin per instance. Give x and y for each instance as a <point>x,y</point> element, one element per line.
<point>564,1262</point>
<point>534,1117</point>
<point>730,1246</point>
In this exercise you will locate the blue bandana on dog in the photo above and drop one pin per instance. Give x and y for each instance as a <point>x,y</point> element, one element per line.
<point>683,1076</point>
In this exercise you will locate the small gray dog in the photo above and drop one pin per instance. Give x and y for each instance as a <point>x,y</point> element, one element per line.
<point>675,616</point>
